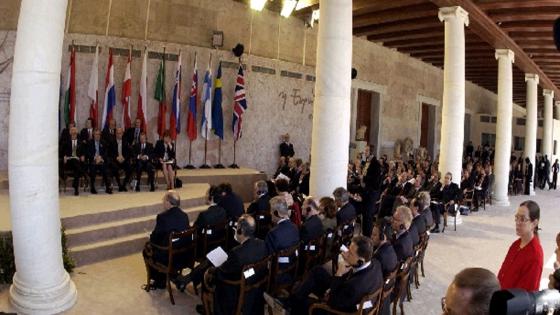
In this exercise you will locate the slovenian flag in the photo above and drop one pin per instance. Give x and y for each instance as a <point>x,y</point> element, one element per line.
<point>206,123</point>
<point>126,93</point>
<point>110,97</point>
<point>193,100</point>
<point>174,119</point>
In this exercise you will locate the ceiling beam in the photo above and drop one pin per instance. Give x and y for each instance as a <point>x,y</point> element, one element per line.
<point>486,28</point>
<point>395,15</point>
<point>493,5</point>
<point>367,6</point>
<point>414,24</point>
<point>413,34</point>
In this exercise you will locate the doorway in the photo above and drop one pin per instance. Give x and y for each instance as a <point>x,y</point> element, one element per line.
<point>427,128</point>
<point>367,116</point>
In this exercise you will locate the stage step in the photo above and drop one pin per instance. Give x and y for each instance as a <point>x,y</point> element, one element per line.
<point>113,248</point>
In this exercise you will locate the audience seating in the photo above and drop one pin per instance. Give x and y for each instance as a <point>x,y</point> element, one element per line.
<point>369,305</point>
<point>312,254</point>
<point>284,269</point>
<point>401,285</point>
<point>212,236</point>
<point>181,249</point>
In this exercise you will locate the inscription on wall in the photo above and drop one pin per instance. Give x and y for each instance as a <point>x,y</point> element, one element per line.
<point>295,99</point>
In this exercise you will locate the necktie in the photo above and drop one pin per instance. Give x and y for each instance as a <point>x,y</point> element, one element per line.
<point>96,148</point>
<point>137,133</point>
<point>73,147</point>
<point>143,147</point>
<point>89,133</point>
<point>120,147</point>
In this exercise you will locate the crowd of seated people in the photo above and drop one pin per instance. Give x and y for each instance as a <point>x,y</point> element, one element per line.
<point>112,151</point>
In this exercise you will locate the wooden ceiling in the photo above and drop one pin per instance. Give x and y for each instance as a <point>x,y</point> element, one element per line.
<point>412,27</point>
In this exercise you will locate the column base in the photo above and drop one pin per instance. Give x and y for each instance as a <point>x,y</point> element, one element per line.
<point>27,299</point>
<point>501,202</point>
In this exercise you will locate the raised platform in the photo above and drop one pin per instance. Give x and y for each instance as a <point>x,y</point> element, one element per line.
<point>102,226</point>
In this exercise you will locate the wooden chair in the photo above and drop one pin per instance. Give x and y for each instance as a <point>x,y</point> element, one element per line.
<point>388,287</point>
<point>182,247</point>
<point>328,244</point>
<point>343,235</point>
<point>259,279</point>
<point>468,199</point>
<point>212,236</point>
<point>284,264</point>
<point>401,285</point>
<point>414,271</point>
<point>369,305</point>
<point>424,238</point>
<point>263,222</point>
<point>312,253</point>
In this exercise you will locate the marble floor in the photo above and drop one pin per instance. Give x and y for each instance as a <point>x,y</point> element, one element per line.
<point>113,287</point>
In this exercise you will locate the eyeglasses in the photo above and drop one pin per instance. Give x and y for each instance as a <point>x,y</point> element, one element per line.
<point>521,219</point>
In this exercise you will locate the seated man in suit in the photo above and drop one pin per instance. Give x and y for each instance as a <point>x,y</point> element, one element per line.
<point>260,209</point>
<point>250,250</point>
<point>143,152</point>
<point>97,156</point>
<point>312,227</point>
<point>346,211</point>
<point>132,135</point>
<point>164,155</point>
<point>402,242</point>
<point>357,275</point>
<point>424,201</point>
<point>65,134</point>
<point>212,216</point>
<point>120,159</point>
<point>383,250</point>
<point>418,219</point>
<point>231,202</point>
<point>172,219</point>
<point>285,234</point>
<point>109,133</point>
<point>72,152</point>
<point>448,195</point>
<point>86,134</point>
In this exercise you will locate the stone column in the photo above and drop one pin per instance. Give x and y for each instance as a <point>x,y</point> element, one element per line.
<point>503,126</point>
<point>547,126</point>
<point>40,285</point>
<point>557,110</point>
<point>453,109</point>
<point>331,107</point>
<point>531,123</point>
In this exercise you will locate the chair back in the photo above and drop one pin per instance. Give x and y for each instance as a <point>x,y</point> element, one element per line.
<point>213,235</point>
<point>312,252</point>
<point>371,303</point>
<point>328,245</point>
<point>284,268</point>
<point>263,222</point>
<point>389,284</point>
<point>403,273</point>
<point>181,249</point>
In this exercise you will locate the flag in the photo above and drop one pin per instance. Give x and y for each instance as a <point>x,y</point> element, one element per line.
<point>159,95</point>
<point>174,119</point>
<point>193,99</point>
<point>142,110</point>
<point>206,123</point>
<point>239,104</point>
<point>70,112</point>
<point>126,93</point>
<point>93,89</point>
<point>217,117</point>
<point>110,97</point>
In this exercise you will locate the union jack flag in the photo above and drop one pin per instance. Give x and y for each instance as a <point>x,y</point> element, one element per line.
<point>239,104</point>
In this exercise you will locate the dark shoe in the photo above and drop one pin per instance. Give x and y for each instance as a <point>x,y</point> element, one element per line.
<point>137,187</point>
<point>124,189</point>
<point>121,188</point>
<point>93,191</point>
<point>181,282</point>
<point>200,309</point>
<point>76,192</point>
<point>109,191</point>
<point>152,188</point>
<point>435,230</point>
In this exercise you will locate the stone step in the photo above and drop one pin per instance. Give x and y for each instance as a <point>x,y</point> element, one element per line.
<point>109,249</point>
<point>91,234</point>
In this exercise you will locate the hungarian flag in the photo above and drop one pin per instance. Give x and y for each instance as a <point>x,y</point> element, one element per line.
<point>206,124</point>
<point>142,110</point>
<point>239,104</point>
<point>159,95</point>
<point>174,119</point>
<point>93,89</point>
<point>110,96</point>
<point>217,115</point>
<point>70,113</point>
<point>126,93</point>
<point>191,117</point>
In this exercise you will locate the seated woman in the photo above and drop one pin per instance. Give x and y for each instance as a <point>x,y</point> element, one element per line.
<point>165,156</point>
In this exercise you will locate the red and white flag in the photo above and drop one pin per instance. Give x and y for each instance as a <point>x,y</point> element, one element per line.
<point>142,110</point>
<point>126,93</point>
<point>93,89</point>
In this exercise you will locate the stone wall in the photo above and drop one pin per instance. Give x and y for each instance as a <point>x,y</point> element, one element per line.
<point>278,103</point>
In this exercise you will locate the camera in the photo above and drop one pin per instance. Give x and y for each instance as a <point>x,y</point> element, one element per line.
<point>521,302</point>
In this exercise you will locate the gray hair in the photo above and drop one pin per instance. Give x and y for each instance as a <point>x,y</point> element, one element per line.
<point>405,215</point>
<point>341,194</point>
<point>424,200</point>
<point>279,204</point>
<point>262,186</point>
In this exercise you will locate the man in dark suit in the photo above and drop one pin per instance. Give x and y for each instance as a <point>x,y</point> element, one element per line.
<point>346,211</point>
<point>250,250</point>
<point>285,234</point>
<point>447,197</point>
<point>402,242</point>
<point>357,275</point>
<point>383,250</point>
<point>86,134</point>
<point>172,219</point>
<point>65,134</point>
<point>119,159</point>
<point>372,182</point>
<point>286,148</point>
<point>423,202</point>
<point>312,227</point>
<point>212,216</point>
<point>109,133</point>
<point>97,156</point>
<point>528,175</point>
<point>72,153</point>
<point>260,209</point>
<point>418,220</point>
<point>231,202</point>
<point>132,135</point>
<point>143,153</point>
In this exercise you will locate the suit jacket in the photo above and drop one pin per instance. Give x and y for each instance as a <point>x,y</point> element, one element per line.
<point>450,192</point>
<point>114,150</point>
<point>403,246</point>
<point>346,214</point>
<point>387,257</point>
<point>66,149</point>
<point>84,135</point>
<point>171,220</point>
<point>347,291</point>
<point>414,235</point>
<point>428,218</point>
<point>372,180</point>
<point>108,135</point>
<point>103,151</point>
<point>161,149</point>
<point>213,215</point>
<point>233,205</point>
<point>129,136</point>
<point>226,296</point>
<point>529,172</point>
<point>311,229</point>
<point>420,223</point>
<point>285,234</point>
<point>148,150</point>
<point>286,149</point>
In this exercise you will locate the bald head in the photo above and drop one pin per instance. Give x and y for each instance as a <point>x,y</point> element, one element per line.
<point>172,198</point>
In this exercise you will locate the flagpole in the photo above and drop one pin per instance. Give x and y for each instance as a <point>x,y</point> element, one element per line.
<point>234,165</point>
<point>205,165</point>
<point>190,166</point>
<point>219,165</point>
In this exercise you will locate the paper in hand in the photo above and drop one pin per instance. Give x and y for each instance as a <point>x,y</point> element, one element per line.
<point>217,256</point>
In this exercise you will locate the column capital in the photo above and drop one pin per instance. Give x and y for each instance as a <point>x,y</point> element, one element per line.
<point>547,92</point>
<point>532,76</point>
<point>447,13</point>
<point>505,53</point>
